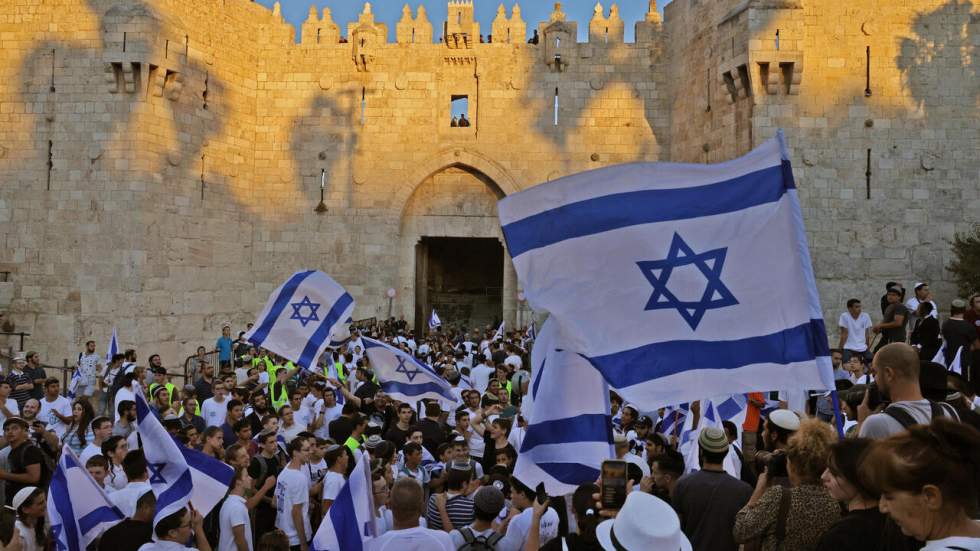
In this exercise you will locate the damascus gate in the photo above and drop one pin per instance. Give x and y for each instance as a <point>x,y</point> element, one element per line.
<point>164,164</point>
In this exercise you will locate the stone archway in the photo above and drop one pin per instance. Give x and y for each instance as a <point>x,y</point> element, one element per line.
<point>452,203</point>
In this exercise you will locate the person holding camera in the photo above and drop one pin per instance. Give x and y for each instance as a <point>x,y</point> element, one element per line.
<point>896,369</point>
<point>795,517</point>
<point>780,425</point>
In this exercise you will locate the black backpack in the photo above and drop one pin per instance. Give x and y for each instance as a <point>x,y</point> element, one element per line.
<point>478,543</point>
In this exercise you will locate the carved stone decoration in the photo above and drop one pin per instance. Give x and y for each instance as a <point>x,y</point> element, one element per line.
<point>596,83</point>
<point>325,82</point>
<point>401,82</point>
<point>173,158</point>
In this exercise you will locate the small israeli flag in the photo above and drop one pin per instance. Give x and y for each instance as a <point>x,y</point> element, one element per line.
<point>78,508</point>
<point>532,332</point>
<point>302,317</point>
<point>350,522</point>
<point>677,281</point>
<point>690,448</point>
<point>170,477</point>
<point>76,379</point>
<point>403,377</point>
<point>113,347</point>
<point>500,332</point>
<point>434,320</point>
<point>566,440</point>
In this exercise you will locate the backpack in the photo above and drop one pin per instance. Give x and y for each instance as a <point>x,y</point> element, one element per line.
<point>478,543</point>
<point>47,464</point>
<point>905,419</point>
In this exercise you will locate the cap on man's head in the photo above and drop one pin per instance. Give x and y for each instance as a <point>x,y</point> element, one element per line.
<point>489,500</point>
<point>958,303</point>
<point>919,284</point>
<point>785,419</point>
<point>713,440</point>
<point>21,496</point>
<point>20,357</point>
<point>895,289</point>
<point>15,421</point>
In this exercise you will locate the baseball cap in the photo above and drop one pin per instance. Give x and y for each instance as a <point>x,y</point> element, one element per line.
<point>489,500</point>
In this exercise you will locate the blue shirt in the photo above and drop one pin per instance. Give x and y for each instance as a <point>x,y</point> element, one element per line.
<point>224,349</point>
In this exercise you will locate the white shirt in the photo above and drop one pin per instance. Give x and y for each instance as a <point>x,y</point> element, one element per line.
<point>412,539</point>
<point>214,412</point>
<point>459,540</point>
<point>117,479</point>
<point>513,360</point>
<point>90,451</point>
<point>126,498</point>
<point>520,526</point>
<point>27,537</point>
<point>233,513</point>
<point>87,366</point>
<point>329,414</point>
<point>480,377</point>
<point>124,393</point>
<point>970,544</point>
<point>913,304</point>
<point>12,407</point>
<point>292,488</point>
<point>333,483</point>
<point>289,433</point>
<point>60,404</point>
<point>315,471</point>
<point>855,330</point>
<point>164,546</point>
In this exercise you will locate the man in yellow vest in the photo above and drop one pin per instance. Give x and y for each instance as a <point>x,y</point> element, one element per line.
<point>160,379</point>
<point>278,391</point>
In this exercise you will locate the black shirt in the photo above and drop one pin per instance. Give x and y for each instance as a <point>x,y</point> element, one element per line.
<point>20,458</point>
<point>958,333</point>
<point>35,373</point>
<point>203,390</point>
<point>128,535</point>
<point>432,435</point>
<point>340,429</point>
<point>574,542</point>
<point>397,436</point>
<point>866,530</point>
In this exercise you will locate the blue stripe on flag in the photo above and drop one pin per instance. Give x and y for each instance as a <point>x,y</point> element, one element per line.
<point>201,462</point>
<point>98,516</point>
<point>621,210</point>
<point>343,516</point>
<point>653,361</point>
<point>570,473</point>
<point>416,389</point>
<point>589,427</point>
<point>177,491</point>
<point>62,503</point>
<point>285,295</point>
<point>322,333</point>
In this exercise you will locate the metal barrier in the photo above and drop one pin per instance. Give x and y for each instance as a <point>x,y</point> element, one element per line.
<point>190,367</point>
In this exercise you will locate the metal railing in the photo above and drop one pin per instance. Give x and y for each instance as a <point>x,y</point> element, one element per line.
<point>191,365</point>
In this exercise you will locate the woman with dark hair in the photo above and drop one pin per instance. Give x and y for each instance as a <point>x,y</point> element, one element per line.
<point>31,504</point>
<point>925,333</point>
<point>79,433</point>
<point>929,479</point>
<point>495,436</point>
<point>865,527</point>
<point>586,519</point>
<point>9,537</point>
<point>115,449</point>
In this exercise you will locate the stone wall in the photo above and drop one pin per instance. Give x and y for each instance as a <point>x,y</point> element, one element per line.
<point>188,141</point>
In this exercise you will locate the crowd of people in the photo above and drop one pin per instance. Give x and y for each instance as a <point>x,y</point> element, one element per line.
<point>906,475</point>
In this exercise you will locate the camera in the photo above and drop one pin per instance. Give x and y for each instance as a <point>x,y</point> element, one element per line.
<point>773,463</point>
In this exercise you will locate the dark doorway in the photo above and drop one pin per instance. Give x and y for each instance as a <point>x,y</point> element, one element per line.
<point>462,278</point>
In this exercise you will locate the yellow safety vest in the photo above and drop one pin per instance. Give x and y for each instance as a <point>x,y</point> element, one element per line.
<point>170,390</point>
<point>283,397</point>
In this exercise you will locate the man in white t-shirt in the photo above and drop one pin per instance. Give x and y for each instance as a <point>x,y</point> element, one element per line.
<point>293,496</point>
<point>233,521</point>
<point>215,409</point>
<point>855,330</point>
<point>102,430</point>
<point>333,482</point>
<point>8,406</point>
<point>89,369</point>
<point>55,408</point>
<point>519,519</point>
<point>480,375</point>
<point>921,294</point>
<point>406,534</point>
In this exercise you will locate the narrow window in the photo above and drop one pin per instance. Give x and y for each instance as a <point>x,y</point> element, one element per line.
<point>777,39</point>
<point>363,104</point>
<point>556,107</point>
<point>867,72</point>
<point>460,110</point>
<point>557,42</point>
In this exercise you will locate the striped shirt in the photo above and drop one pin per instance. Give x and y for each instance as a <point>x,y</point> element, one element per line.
<point>459,507</point>
<point>15,379</point>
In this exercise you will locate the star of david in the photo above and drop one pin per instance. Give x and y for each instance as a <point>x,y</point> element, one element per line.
<point>298,306</point>
<point>156,473</point>
<point>716,294</point>
<point>402,368</point>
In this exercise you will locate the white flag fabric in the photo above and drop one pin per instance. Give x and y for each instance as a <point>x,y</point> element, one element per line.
<point>302,317</point>
<point>211,479</point>
<point>940,357</point>
<point>566,439</point>
<point>78,508</point>
<point>434,320</point>
<point>690,448</point>
<point>349,524</point>
<point>677,281</point>
<point>170,477</point>
<point>954,365</point>
<point>403,377</point>
<point>113,348</point>
<point>499,334</point>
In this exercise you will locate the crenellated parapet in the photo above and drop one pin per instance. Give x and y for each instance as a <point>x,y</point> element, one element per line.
<point>413,30</point>
<point>367,37</point>
<point>320,31</point>
<point>461,29</point>
<point>508,31</point>
<point>559,38</point>
<point>650,29</point>
<point>606,30</point>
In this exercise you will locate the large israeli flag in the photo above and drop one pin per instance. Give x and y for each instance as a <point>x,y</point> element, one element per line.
<point>302,317</point>
<point>677,281</point>
<point>78,508</point>
<point>170,477</point>
<point>349,524</point>
<point>566,439</point>
<point>403,377</point>
<point>211,479</point>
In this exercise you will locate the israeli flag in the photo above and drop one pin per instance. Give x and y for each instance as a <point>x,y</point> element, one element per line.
<point>350,523</point>
<point>211,479</point>
<point>676,281</point>
<point>499,334</point>
<point>113,347</point>
<point>690,448</point>
<point>434,320</point>
<point>532,332</point>
<point>170,477</point>
<point>566,440</point>
<point>955,364</point>
<point>302,317</point>
<point>403,377</point>
<point>76,379</point>
<point>674,419</point>
<point>78,508</point>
